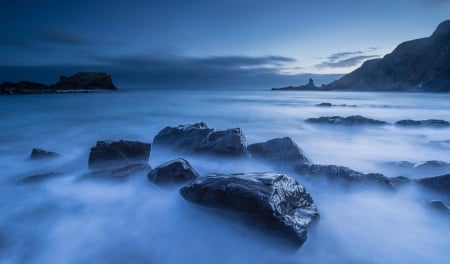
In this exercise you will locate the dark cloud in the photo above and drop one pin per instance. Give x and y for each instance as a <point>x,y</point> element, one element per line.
<point>67,37</point>
<point>346,59</point>
<point>342,55</point>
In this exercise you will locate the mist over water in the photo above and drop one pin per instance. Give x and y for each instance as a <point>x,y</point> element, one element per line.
<point>65,220</point>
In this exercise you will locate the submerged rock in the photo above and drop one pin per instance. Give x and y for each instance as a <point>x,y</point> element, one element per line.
<point>275,201</point>
<point>423,123</point>
<point>199,138</point>
<point>120,174</point>
<point>324,105</point>
<point>173,172</point>
<point>346,175</point>
<point>37,178</point>
<point>118,154</point>
<point>39,154</point>
<point>439,183</point>
<point>430,167</point>
<point>349,121</point>
<point>278,150</point>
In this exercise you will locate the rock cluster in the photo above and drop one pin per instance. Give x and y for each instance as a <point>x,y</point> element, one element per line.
<point>348,121</point>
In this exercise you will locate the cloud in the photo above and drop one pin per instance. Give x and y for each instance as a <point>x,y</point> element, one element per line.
<point>346,59</point>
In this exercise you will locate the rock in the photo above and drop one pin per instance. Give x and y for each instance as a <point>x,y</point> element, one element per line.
<point>39,154</point>
<point>23,87</point>
<point>416,65</point>
<point>349,121</point>
<point>439,206</point>
<point>37,178</point>
<point>347,176</point>
<point>173,172</point>
<point>118,174</point>
<point>421,123</point>
<point>324,105</point>
<point>118,154</point>
<point>198,138</point>
<point>85,81</point>
<point>438,183</point>
<point>275,201</point>
<point>430,167</point>
<point>307,87</point>
<point>278,150</point>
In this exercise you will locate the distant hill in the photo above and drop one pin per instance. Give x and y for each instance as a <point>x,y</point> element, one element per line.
<point>421,65</point>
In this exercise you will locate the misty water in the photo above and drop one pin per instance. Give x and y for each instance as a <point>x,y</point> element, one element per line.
<point>67,220</point>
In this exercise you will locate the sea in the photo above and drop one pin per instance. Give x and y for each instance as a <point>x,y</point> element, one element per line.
<point>68,220</point>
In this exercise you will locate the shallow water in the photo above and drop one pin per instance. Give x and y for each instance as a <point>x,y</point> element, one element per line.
<point>68,221</point>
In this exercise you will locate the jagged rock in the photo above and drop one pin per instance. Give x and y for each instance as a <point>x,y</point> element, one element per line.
<point>198,138</point>
<point>349,121</point>
<point>430,167</point>
<point>173,172</point>
<point>85,81</point>
<point>39,154</point>
<point>118,174</point>
<point>416,65</point>
<point>118,154</point>
<point>275,201</point>
<point>439,183</point>
<point>309,86</point>
<point>426,123</point>
<point>278,150</point>
<point>347,176</point>
<point>324,105</point>
<point>37,178</point>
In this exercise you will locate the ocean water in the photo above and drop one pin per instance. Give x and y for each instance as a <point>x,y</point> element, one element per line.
<point>65,220</point>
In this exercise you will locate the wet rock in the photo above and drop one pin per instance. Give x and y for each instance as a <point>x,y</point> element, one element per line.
<point>348,121</point>
<point>275,201</point>
<point>278,150</point>
<point>439,183</point>
<point>173,172</point>
<point>39,154</point>
<point>118,174</point>
<point>85,81</point>
<point>430,167</point>
<point>41,177</point>
<point>347,176</point>
<point>199,138</point>
<point>118,154</point>
<point>423,123</point>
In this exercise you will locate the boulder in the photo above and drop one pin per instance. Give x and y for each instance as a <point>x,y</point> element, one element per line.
<point>278,150</point>
<point>275,201</point>
<point>118,154</point>
<point>85,81</point>
<point>347,176</point>
<point>173,172</point>
<point>199,138</point>
<point>439,183</point>
<point>423,123</point>
<point>39,154</point>
<point>348,121</point>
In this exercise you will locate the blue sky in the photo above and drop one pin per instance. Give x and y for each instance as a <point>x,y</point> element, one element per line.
<point>233,36</point>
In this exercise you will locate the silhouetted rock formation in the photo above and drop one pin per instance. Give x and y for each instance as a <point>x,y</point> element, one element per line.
<point>416,65</point>
<point>423,123</point>
<point>275,201</point>
<point>38,154</point>
<point>173,172</point>
<point>349,121</point>
<point>278,150</point>
<point>439,183</point>
<point>310,86</point>
<point>79,82</point>
<point>199,138</point>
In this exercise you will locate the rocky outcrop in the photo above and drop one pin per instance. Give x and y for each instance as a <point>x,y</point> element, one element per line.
<point>39,154</point>
<point>85,81</point>
<point>275,201</point>
<point>199,138</point>
<point>79,82</point>
<point>439,183</point>
<point>416,65</point>
<point>348,121</point>
<point>114,154</point>
<point>173,172</point>
<point>438,206</point>
<point>278,150</point>
<point>423,123</point>
<point>347,176</point>
<point>430,167</point>
<point>310,86</point>
<point>324,105</point>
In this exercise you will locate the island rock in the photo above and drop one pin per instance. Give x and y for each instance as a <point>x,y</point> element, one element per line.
<point>348,121</point>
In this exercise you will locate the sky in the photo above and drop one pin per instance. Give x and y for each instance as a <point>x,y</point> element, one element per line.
<point>176,42</point>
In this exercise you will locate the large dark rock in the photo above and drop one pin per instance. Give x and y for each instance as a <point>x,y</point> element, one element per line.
<point>349,121</point>
<point>85,81</point>
<point>278,150</point>
<point>416,65</point>
<point>423,123</point>
<point>275,201</point>
<point>439,183</point>
<point>108,154</point>
<point>347,176</point>
<point>199,138</point>
<point>173,172</point>
<point>39,154</point>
